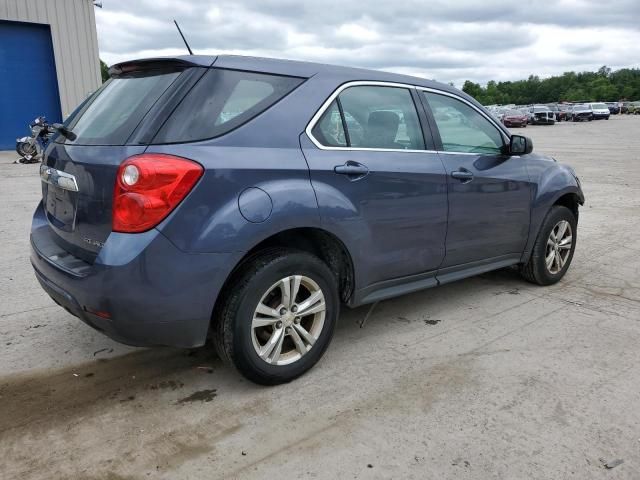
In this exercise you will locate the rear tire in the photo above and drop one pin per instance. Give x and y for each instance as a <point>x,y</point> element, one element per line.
<point>255,327</point>
<point>552,254</point>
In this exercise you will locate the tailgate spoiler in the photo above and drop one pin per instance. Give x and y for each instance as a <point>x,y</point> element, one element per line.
<point>161,62</point>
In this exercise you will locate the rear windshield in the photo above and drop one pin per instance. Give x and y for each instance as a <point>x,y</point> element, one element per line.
<point>117,108</point>
<point>222,101</point>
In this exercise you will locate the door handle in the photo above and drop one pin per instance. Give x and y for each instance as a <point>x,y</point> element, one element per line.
<point>463,175</point>
<point>351,169</point>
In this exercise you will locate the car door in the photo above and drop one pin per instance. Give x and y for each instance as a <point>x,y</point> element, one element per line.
<point>489,192</point>
<point>377,186</point>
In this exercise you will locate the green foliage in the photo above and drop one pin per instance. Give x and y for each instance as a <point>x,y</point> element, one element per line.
<point>104,71</point>
<point>604,85</point>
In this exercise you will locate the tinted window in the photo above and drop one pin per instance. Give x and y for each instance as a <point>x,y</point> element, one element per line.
<point>381,117</point>
<point>329,130</point>
<point>462,128</point>
<point>221,101</point>
<point>117,108</point>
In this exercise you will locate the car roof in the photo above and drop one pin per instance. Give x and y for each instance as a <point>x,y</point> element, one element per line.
<point>295,68</point>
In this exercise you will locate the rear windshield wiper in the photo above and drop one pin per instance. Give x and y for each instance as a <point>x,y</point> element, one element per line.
<point>64,131</point>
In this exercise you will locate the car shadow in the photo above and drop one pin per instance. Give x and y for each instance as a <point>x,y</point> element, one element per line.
<point>54,396</point>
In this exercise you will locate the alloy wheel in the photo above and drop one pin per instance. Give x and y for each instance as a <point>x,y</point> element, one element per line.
<point>558,247</point>
<point>288,320</point>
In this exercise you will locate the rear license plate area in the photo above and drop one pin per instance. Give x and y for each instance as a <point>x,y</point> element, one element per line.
<point>60,206</point>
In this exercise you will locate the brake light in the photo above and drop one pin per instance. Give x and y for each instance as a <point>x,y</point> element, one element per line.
<point>148,187</point>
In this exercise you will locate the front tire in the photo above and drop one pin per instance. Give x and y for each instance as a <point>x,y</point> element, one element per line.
<point>553,251</point>
<point>278,316</point>
<point>25,149</point>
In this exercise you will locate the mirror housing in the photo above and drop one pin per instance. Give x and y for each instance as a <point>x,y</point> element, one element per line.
<point>520,145</point>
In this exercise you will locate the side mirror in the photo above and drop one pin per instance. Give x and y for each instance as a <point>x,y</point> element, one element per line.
<point>520,145</point>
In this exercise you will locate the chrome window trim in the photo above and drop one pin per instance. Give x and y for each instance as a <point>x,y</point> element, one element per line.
<point>334,95</point>
<point>59,179</point>
<point>357,83</point>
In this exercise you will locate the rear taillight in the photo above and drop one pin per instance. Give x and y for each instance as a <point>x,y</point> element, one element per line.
<point>148,187</point>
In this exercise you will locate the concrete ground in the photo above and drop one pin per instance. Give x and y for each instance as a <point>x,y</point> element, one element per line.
<point>487,378</point>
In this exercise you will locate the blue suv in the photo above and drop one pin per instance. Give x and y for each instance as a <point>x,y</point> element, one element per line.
<point>246,199</point>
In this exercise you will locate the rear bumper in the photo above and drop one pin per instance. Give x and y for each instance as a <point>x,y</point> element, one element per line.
<point>141,290</point>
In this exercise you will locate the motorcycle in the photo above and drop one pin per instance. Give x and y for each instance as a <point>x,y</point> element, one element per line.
<point>31,148</point>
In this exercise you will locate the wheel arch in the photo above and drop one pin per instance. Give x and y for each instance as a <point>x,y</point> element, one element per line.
<point>317,241</point>
<point>571,200</point>
<point>571,197</point>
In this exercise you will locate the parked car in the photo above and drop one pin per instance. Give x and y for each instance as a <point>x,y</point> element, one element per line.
<point>514,118</point>
<point>581,112</point>
<point>565,110</point>
<point>614,107</point>
<point>624,108</point>
<point>497,112</point>
<point>558,113</point>
<point>188,204</point>
<point>634,108</point>
<point>600,111</point>
<point>541,115</point>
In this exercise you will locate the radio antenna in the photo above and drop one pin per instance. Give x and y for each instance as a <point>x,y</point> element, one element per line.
<point>183,39</point>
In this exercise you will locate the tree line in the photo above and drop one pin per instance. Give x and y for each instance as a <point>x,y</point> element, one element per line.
<point>604,85</point>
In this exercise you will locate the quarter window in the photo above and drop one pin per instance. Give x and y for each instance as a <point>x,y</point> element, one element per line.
<point>375,117</point>
<point>462,128</point>
<point>221,101</point>
<point>329,130</point>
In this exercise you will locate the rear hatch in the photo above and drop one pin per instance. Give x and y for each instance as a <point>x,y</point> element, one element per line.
<point>118,121</point>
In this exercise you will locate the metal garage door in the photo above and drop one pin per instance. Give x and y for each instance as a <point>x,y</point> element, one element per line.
<point>28,83</point>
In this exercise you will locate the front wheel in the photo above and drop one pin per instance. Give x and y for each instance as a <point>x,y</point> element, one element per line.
<point>278,316</point>
<point>25,149</point>
<point>553,251</point>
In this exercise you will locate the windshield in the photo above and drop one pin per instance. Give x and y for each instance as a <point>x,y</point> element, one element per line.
<point>601,106</point>
<point>540,109</point>
<point>513,113</point>
<point>116,109</point>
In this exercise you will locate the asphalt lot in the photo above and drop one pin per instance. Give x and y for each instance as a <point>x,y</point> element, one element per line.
<point>486,378</point>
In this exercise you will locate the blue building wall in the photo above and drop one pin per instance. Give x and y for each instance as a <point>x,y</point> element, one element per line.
<point>28,81</point>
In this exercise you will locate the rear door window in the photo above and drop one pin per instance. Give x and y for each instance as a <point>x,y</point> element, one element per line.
<point>329,130</point>
<point>222,101</point>
<point>381,118</point>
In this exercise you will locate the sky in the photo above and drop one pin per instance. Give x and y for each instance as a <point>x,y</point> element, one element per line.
<point>450,41</point>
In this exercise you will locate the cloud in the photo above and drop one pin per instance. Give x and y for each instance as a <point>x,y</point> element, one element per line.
<point>449,41</point>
